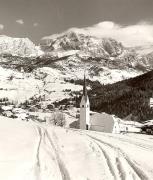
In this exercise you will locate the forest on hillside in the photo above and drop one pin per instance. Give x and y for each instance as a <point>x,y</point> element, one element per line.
<point>124,98</point>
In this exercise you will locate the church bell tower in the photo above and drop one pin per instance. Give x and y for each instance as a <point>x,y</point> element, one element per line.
<point>85,109</point>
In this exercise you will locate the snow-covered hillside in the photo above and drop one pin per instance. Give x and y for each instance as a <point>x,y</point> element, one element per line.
<point>44,152</point>
<point>18,47</point>
<point>20,86</point>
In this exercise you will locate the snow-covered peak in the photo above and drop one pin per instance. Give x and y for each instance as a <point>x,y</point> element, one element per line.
<point>78,39</point>
<point>69,31</point>
<point>18,46</point>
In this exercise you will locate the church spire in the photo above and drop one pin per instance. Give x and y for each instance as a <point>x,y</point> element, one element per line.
<point>84,108</point>
<point>84,87</point>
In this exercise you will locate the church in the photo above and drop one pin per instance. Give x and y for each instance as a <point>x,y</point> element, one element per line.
<point>101,122</point>
<point>94,121</point>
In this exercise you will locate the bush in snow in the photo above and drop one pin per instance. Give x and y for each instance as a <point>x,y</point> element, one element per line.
<point>59,119</point>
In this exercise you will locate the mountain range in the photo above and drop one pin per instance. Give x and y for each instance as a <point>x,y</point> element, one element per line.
<point>105,59</point>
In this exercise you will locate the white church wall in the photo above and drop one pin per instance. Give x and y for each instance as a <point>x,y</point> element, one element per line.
<point>84,113</point>
<point>82,118</point>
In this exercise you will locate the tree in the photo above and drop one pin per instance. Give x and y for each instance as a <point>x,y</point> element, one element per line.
<point>59,119</point>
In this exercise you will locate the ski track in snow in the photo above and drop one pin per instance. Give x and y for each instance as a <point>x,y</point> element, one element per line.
<point>139,172</point>
<point>116,168</point>
<point>63,170</point>
<point>71,154</point>
<point>149,140</point>
<point>131,142</point>
<point>123,166</point>
<point>108,161</point>
<point>46,140</point>
<point>37,163</point>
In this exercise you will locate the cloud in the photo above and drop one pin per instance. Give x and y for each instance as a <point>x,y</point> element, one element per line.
<point>140,34</point>
<point>35,24</point>
<point>20,21</point>
<point>132,35</point>
<point>1,26</point>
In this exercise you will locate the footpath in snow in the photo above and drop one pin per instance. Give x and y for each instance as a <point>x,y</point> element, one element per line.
<point>30,151</point>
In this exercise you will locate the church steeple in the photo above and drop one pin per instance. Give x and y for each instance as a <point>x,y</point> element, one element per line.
<point>84,108</point>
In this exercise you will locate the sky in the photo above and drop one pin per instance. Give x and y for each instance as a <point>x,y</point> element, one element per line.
<point>38,18</point>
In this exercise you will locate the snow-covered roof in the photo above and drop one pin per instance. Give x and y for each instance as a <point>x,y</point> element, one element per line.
<point>149,122</point>
<point>7,108</point>
<point>99,119</point>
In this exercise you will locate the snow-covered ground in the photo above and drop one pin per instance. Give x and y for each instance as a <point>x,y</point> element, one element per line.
<point>25,85</point>
<point>49,82</point>
<point>110,76</point>
<point>30,151</point>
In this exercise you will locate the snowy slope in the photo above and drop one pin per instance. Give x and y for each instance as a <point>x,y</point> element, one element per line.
<point>33,152</point>
<point>50,82</point>
<point>44,81</point>
<point>18,47</point>
<point>19,88</point>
